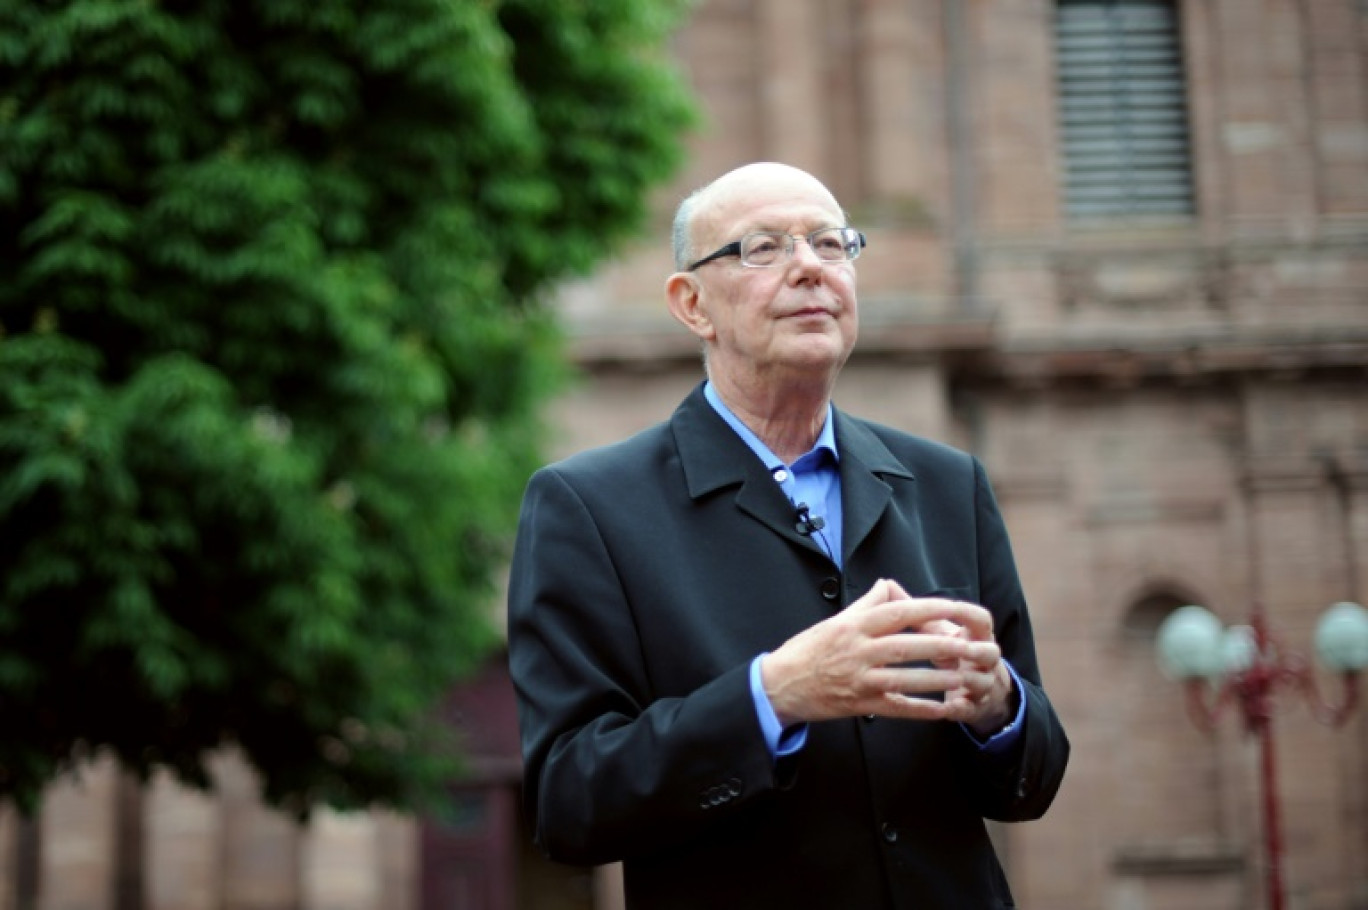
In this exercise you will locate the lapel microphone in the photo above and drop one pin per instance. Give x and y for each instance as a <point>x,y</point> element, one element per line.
<point>807,525</point>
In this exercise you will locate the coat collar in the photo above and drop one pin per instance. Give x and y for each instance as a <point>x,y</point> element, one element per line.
<point>713,457</point>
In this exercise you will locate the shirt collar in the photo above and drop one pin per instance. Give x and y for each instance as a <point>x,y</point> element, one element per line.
<point>826,440</point>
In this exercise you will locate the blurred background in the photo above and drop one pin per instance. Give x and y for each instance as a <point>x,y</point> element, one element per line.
<point>1119,250</point>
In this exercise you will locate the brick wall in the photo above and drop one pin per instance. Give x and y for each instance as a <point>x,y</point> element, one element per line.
<point>1172,411</point>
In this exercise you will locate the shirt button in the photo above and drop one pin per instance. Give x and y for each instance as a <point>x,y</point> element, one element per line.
<point>890,833</point>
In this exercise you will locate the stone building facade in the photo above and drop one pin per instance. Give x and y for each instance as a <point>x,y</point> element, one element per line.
<point>1119,250</point>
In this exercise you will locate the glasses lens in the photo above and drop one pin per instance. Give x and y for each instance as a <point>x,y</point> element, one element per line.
<point>835,244</point>
<point>764,249</point>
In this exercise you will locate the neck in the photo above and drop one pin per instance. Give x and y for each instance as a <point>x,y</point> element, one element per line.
<point>788,420</point>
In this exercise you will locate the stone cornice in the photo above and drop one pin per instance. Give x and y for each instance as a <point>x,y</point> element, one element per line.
<point>1124,360</point>
<point>977,350</point>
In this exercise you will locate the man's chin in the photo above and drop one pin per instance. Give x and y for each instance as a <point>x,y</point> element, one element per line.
<point>818,351</point>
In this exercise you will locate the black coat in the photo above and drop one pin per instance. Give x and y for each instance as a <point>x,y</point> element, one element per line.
<point>649,573</point>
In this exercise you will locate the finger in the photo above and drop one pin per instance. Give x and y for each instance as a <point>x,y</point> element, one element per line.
<point>973,621</point>
<point>911,681</point>
<point>978,622</point>
<point>978,687</point>
<point>983,655</point>
<point>896,591</point>
<point>912,707</point>
<point>943,627</point>
<point>959,707</point>
<point>897,615</point>
<point>910,647</point>
<point>882,591</point>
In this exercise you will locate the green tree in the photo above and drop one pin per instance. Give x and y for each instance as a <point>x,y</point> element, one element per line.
<point>271,351</point>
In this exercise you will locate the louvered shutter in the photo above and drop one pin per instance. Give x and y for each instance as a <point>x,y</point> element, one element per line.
<point>1123,109</point>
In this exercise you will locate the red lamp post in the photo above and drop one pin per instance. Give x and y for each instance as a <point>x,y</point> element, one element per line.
<point>1249,667</point>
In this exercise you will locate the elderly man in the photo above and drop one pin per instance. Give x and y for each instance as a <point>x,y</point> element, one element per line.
<point>768,654</point>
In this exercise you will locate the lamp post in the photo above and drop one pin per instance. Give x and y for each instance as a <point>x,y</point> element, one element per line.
<point>1247,667</point>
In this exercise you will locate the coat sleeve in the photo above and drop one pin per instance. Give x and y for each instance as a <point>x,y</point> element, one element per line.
<point>610,769</point>
<point>1020,783</point>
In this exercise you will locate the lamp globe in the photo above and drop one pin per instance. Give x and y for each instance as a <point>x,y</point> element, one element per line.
<point>1189,643</point>
<point>1342,637</point>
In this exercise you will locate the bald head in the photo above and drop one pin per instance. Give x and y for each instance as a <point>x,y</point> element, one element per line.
<point>748,184</point>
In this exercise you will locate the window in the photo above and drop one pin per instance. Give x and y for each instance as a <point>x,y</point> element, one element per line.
<point>1123,109</point>
<point>1168,775</point>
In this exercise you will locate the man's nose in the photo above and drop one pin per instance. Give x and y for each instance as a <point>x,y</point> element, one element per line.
<point>804,255</point>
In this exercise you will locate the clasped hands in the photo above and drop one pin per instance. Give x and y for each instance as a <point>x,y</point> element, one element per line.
<point>853,664</point>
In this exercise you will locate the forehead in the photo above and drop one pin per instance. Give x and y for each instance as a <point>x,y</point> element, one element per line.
<point>781,202</point>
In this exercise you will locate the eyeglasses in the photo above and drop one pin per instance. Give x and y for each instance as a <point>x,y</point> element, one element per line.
<point>762,249</point>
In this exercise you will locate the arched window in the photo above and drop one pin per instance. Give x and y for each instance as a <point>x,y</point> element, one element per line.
<point>1167,771</point>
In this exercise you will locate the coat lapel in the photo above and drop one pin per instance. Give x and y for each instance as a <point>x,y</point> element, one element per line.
<point>865,460</point>
<point>714,457</point>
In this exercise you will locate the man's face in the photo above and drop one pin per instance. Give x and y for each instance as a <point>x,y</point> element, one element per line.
<point>794,321</point>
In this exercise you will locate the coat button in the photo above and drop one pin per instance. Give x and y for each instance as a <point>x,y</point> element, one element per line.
<point>831,588</point>
<point>869,718</point>
<point>890,833</point>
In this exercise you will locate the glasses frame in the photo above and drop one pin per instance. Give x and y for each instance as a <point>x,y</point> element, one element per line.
<point>734,248</point>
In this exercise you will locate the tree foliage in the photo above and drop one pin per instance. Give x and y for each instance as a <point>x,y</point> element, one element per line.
<point>271,354</point>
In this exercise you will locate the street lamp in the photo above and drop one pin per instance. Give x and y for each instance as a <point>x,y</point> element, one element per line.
<point>1247,666</point>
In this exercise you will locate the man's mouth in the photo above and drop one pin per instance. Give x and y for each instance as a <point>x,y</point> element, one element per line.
<point>809,312</point>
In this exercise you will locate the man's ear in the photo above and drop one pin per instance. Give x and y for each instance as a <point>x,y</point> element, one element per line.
<point>684,296</point>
